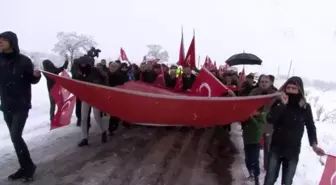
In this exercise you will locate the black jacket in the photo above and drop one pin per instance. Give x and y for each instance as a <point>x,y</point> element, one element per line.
<point>50,67</point>
<point>149,76</point>
<point>170,81</point>
<point>289,122</point>
<point>117,78</point>
<point>89,73</point>
<point>188,81</point>
<point>16,77</point>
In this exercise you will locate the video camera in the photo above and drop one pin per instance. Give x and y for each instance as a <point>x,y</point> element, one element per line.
<point>93,52</point>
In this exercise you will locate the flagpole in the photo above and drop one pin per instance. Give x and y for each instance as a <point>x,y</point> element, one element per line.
<point>199,61</point>
<point>289,69</point>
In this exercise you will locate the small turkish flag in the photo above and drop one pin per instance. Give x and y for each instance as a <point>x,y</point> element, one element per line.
<point>65,104</point>
<point>206,84</point>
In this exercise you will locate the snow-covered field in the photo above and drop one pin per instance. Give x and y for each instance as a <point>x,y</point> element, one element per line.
<point>37,133</point>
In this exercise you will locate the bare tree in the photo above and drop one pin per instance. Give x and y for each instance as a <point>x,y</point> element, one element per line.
<point>73,44</point>
<point>157,52</point>
<point>330,116</point>
<point>320,110</point>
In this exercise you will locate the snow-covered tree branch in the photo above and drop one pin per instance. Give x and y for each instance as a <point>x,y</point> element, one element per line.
<point>73,44</point>
<point>157,52</point>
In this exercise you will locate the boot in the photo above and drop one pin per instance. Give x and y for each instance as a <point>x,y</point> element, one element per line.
<point>29,174</point>
<point>256,181</point>
<point>250,177</point>
<point>104,137</point>
<point>84,142</point>
<point>78,124</point>
<point>17,175</point>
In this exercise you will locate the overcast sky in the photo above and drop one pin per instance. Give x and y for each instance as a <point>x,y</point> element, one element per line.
<point>276,30</point>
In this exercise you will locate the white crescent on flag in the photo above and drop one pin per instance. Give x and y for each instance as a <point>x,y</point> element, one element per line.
<point>333,179</point>
<point>207,86</point>
<point>66,105</point>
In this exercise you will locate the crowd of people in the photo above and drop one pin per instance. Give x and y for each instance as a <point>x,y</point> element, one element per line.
<point>280,124</point>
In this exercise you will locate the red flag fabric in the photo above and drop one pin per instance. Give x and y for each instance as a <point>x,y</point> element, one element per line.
<point>206,84</point>
<point>160,80</point>
<point>190,60</point>
<point>65,104</point>
<point>329,173</point>
<point>181,54</point>
<point>242,77</point>
<point>123,55</point>
<point>207,63</point>
<point>179,83</point>
<point>161,108</point>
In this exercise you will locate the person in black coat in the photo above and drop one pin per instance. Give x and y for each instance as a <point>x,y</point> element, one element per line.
<point>91,74</point>
<point>289,116</point>
<point>77,75</point>
<point>50,67</point>
<point>16,76</point>
<point>247,86</point>
<point>171,78</point>
<point>188,78</point>
<point>149,75</point>
<point>117,76</point>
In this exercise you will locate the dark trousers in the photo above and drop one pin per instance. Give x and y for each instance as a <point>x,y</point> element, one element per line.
<point>15,123</point>
<point>267,143</point>
<point>113,124</point>
<point>52,107</point>
<point>273,168</point>
<point>252,153</point>
<point>78,113</point>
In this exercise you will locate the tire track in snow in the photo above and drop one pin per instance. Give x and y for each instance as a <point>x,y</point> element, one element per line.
<point>152,167</point>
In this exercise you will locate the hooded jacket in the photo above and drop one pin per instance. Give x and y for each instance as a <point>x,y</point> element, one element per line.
<point>16,77</point>
<point>50,67</point>
<point>89,73</point>
<point>289,122</point>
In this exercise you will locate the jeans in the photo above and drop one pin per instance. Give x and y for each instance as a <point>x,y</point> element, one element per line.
<point>15,123</point>
<point>52,107</point>
<point>273,168</point>
<point>252,153</point>
<point>113,124</point>
<point>267,143</point>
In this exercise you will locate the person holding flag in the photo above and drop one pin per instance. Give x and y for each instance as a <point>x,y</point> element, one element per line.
<point>289,115</point>
<point>17,74</point>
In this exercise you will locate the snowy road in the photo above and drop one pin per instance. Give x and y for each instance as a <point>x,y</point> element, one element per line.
<point>142,155</point>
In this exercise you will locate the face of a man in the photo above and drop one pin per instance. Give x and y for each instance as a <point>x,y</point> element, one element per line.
<point>265,82</point>
<point>113,67</point>
<point>250,80</point>
<point>292,89</point>
<point>4,45</point>
<point>187,70</point>
<point>173,72</point>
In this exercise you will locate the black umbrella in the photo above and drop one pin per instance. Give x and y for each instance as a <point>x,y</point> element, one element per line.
<point>243,59</point>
